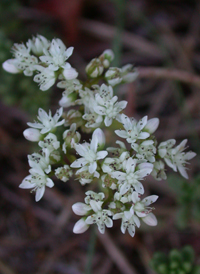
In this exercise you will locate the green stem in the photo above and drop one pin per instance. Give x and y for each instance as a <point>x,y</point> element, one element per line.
<point>91,249</point>
<point>117,42</point>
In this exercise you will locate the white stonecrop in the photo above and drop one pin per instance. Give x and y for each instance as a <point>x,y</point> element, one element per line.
<point>38,44</point>
<point>129,221</point>
<point>56,55</point>
<point>107,105</point>
<point>23,60</point>
<point>132,176</point>
<point>46,77</point>
<point>100,216</point>
<point>89,154</point>
<point>37,180</point>
<point>46,121</point>
<point>141,207</point>
<point>120,174</point>
<point>133,130</point>
<point>175,157</point>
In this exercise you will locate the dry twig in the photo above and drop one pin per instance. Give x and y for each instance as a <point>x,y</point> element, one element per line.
<point>116,255</point>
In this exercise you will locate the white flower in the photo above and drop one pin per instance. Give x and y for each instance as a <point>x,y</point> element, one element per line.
<point>106,57</point>
<point>80,226</point>
<point>93,120</point>
<point>42,161</point>
<point>141,207</point>
<point>131,176</point>
<point>89,154</point>
<point>145,150</point>
<point>70,136</point>
<point>107,105</point>
<point>93,196</point>
<point>47,122</point>
<point>50,145</point>
<point>84,176</point>
<point>63,173</point>
<point>94,68</point>
<point>133,129</point>
<point>70,85</point>
<point>57,54</point>
<point>129,221</point>
<point>50,142</point>
<point>46,78</point>
<point>175,157</point>
<point>69,73</point>
<point>113,76</point>
<point>32,134</point>
<point>100,216</point>
<point>23,61</point>
<point>128,73</point>
<point>87,99</point>
<point>37,44</point>
<point>37,180</point>
<point>159,171</point>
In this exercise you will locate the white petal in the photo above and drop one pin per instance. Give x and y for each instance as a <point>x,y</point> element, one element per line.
<point>121,133</point>
<point>150,219</point>
<point>189,155</point>
<point>101,154</point>
<point>94,143</point>
<point>79,163</point>
<point>108,121</point>
<point>39,193</point>
<point>101,228</point>
<point>92,167</point>
<point>118,216</point>
<point>96,206</point>
<point>149,200</point>
<point>131,230</point>
<point>49,183</point>
<point>109,222</point>
<point>183,172</point>
<point>139,188</point>
<point>81,149</point>
<point>26,184</point>
<point>100,136</point>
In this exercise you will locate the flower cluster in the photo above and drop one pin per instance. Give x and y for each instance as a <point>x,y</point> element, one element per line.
<point>120,171</point>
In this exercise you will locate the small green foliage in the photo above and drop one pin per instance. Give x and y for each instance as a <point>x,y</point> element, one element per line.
<point>177,262</point>
<point>188,199</point>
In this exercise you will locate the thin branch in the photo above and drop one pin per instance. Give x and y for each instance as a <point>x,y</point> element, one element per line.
<point>106,32</point>
<point>116,255</point>
<point>172,74</point>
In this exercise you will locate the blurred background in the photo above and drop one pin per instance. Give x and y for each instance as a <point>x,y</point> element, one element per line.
<point>37,237</point>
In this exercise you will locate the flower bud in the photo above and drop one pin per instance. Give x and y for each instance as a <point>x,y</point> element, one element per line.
<point>152,125</point>
<point>113,76</point>
<point>80,226</point>
<point>129,74</point>
<point>67,100</point>
<point>80,209</point>
<point>70,73</point>
<point>10,67</point>
<point>106,57</point>
<point>101,138</point>
<point>32,134</point>
<point>150,219</point>
<point>94,68</point>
